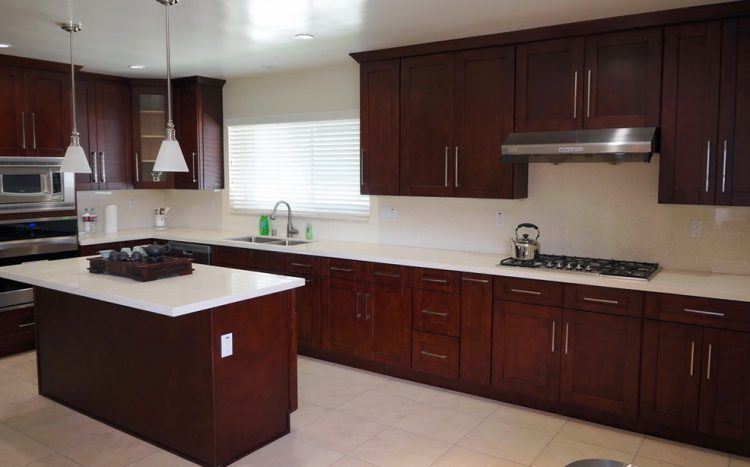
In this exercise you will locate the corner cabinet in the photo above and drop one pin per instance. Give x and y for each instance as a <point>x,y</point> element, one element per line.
<point>149,117</point>
<point>199,122</point>
<point>456,111</point>
<point>705,146</point>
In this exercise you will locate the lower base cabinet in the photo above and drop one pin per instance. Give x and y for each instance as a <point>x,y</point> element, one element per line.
<point>526,349</point>
<point>435,354</point>
<point>600,362</point>
<point>696,378</point>
<point>307,302</point>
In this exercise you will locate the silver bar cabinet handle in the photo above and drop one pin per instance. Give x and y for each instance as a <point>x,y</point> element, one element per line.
<point>471,279</point>
<point>692,357</point>
<point>455,175</point>
<point>23,130</point>
<point>194,173</point>
<point>95,172</point>
<point>433,313</point>
<point>528,292</point>
<point>104,167</point>
<point>708,366</point>
<point>435,281</point>
<point>21,326</point>
<point>554,325</point>
<point>703,312</point>
<point>367,300</point>
<point>357,314</point>
<point>601,300</point>
<point>386,274</point>
<point>724,170</point>
<point>588,94</point>
<point>575,94</point>
<point>567,335</point>
<point>335,268</point>
<point>33,129</point>
<point>362,166</point>
<point>137,169</point>
<point>301,265</point>
<point>434,355</point>
<point>708,162</point>
<point>446,166</point>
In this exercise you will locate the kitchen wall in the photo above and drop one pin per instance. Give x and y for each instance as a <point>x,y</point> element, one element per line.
<point>582,209</point>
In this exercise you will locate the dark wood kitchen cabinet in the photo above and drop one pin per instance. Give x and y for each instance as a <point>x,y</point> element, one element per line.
<point>379,121</point>
<point>103,109</point>
<point>199,124</point>
<point>149,120</point>
<point>476,328</point>
<point>388,308</point>
<point>690,111</point>
<point>600,81</point>
<point>17,330</point>
<point>344,331</point>
<point>456,110</point>
<point>549,85</point>
<point>10,116</point>
<point>695,378</point>
<point>600,362</point>
<point>307,301</point>
<point>526,348</point>
<point>427,92</point>
<point>47,113</point>
<point>733,173</point>
<point>483,113</point>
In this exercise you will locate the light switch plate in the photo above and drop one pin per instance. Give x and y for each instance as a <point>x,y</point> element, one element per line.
<point>226,345</point>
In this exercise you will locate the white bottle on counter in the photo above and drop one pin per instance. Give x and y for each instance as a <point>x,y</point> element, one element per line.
<point>86,219</point>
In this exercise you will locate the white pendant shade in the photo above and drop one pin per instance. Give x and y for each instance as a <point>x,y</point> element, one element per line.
<point>170,158</point>
<point>75,161</point>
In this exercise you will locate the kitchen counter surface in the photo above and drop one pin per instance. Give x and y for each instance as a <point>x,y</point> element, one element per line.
<point>208,286</point>
<point>692,283</point>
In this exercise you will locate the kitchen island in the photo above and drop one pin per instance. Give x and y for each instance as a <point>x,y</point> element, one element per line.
<point>203,365</point>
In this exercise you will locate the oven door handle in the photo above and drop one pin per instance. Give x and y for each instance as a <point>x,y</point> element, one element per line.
<point>38,246</point>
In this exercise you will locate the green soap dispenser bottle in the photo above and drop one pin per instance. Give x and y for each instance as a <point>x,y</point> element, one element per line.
<point>264,228</point>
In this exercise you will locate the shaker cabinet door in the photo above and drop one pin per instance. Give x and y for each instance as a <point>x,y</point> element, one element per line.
<point>11,131</point>
<point>47,113</point>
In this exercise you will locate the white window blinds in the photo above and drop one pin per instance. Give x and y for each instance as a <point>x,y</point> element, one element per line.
<point>312,165</point>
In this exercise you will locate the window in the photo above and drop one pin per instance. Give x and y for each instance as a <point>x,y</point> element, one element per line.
<point>312,165</point>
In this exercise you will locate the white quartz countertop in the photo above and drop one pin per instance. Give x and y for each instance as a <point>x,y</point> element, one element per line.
<point>698,284</point>
<point>207,287</point>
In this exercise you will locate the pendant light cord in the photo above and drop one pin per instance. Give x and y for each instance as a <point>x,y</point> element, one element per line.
<point>170,123</point>
<point>73,86</point>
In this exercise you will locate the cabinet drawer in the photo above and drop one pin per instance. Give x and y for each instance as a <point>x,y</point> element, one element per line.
<point>305,265</point>
<point>437,280</point>
<point>17,343</point>
<point>391,274</point>
<point>528,291</point>
<point>696,310</point>
<point>228,257</point>
<point>436,312</point>
<point>270,261</point>
<point>17,320</point>
<point>435,354</point>
<point>604,299</point>
<point>346,269</point>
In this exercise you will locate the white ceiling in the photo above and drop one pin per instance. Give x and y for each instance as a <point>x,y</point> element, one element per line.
<point>229,38</point>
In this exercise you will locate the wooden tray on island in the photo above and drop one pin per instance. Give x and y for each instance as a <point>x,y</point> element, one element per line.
<point>141,270</point>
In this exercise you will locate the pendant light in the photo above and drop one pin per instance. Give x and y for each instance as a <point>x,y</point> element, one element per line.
<point>169,158</point>
<point>75,159</point>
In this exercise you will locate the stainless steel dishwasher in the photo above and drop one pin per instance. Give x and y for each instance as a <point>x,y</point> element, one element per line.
<point>200,253</point>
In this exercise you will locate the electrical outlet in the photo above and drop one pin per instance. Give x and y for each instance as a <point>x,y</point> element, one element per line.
<point>227,345</point>
<point>696,229</point>
<point>131,203</point>
<point>212,204</point>
<point>388,213</point>
<point>499,219</point>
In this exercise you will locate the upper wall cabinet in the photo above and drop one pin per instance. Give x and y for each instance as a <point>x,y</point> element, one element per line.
<point>600,81</point>
<point>733,177</point>
<point>705,143</point>
<point>199,123</point>
<point>149,119</point>
<point>379,122</point>
<point>35,112</point>
<point>456,110</point>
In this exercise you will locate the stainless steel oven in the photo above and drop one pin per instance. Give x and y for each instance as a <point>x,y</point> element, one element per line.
<point>30,184</point>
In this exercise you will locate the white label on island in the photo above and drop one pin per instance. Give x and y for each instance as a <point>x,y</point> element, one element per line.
<point>226,345</point>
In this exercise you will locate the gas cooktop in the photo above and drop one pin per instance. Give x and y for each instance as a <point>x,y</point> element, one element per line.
<point>602,267</point>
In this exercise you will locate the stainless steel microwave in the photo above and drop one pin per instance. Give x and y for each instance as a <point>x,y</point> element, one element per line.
<point>31,184</point>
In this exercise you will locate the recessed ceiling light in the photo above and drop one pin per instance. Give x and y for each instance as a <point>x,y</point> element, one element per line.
<point>304,37</point>
<point>137,67</point>
<point>5,46</point>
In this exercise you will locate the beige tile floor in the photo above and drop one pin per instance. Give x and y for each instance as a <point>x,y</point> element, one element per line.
<point>347,418</point>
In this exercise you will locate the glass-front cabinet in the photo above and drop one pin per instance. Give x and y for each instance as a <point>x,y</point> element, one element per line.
<point>149,122</point>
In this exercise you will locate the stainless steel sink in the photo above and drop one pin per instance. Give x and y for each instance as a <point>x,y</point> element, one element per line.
<point>269,240</point>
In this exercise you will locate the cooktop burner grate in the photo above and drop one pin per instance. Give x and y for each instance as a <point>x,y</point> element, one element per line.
<point>602,267</point>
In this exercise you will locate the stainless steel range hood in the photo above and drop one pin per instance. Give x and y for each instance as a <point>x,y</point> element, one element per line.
<point>608,145</point>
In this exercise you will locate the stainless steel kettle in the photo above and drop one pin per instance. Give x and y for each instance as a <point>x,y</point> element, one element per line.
<point>525,248</point>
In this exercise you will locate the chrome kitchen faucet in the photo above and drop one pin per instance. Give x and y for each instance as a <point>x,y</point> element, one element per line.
<point>291,231</point>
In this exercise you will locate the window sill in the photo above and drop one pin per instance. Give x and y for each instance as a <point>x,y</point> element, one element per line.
<point>306,215</point>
